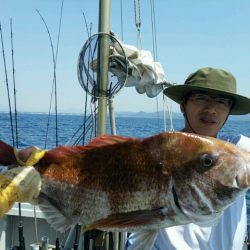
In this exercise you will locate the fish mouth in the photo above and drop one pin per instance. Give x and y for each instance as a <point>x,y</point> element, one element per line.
<point>187,215</point>
<point>203,220</point>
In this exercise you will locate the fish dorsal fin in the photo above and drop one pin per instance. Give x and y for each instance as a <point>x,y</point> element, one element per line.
<point>59,153</point>
<point>128,220</point>
<point>54,217</point>
<point>108,140</point>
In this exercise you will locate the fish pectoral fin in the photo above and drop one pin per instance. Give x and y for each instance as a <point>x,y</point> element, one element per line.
<point>128,220</point>
<point>143,240</point>
<point>54,217</point>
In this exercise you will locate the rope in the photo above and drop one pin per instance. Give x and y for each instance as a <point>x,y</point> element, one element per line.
<point>137,14</point>
<point>168,109</point>
<point>121,12</point>
<point>137,10</point>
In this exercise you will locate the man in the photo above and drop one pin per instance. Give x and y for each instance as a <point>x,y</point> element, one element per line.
<point>206,99</point>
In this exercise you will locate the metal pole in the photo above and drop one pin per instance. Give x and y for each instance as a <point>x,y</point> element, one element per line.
<point>112,117</point>
<point>103,57</point>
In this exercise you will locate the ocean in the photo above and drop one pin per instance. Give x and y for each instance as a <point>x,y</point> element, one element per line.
<point>33,130</point>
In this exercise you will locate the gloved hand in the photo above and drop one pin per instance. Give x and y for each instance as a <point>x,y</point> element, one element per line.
<point>29,156</point>
<point>20,184</point>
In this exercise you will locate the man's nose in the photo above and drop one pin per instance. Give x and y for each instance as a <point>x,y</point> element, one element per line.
<point>211,105</point>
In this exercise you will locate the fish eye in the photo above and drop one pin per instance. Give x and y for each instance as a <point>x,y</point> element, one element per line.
<point>207,160</point>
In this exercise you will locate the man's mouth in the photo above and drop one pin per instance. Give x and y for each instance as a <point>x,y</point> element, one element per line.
<point>208,120</point>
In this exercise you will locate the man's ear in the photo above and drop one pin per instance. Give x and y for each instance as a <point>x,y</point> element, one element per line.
<point>182,107</point>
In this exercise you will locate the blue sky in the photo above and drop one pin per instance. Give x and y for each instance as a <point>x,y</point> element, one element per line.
<point>190,35</point>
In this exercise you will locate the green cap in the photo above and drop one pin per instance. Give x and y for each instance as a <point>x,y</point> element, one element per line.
<point>211,80</point>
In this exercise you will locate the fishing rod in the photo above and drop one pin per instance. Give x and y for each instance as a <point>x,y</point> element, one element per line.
<point>14,82</point>
<point>14,143</point>
<point>20,226</point>
<point>7,86</point>
<point>76,237</point>
<point>54,85</point>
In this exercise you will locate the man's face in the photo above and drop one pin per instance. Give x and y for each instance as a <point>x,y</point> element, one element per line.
<point>206,112</point>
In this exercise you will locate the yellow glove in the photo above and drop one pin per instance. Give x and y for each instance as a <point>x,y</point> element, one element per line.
<point>9,193</point>
<point>36,155</point>
<point>20,184</point>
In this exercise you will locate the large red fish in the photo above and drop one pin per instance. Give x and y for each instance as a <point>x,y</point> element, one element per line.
<point>126,184</point>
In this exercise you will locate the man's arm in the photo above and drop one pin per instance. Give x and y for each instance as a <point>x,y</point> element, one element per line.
<point>27,156</point>
<point>7,156</point>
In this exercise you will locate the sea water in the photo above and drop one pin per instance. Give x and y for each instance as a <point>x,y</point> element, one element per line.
<point>40,129</point>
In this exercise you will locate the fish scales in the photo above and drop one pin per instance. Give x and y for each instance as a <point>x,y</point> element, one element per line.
<point>117,177</point>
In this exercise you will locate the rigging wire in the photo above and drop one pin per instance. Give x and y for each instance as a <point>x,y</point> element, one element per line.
<point>155,52</point>
<point>89,30</point>
<point>87,128</point>
<point>153,27</point>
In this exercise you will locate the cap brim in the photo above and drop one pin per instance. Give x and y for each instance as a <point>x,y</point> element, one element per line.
<point>177,92</point>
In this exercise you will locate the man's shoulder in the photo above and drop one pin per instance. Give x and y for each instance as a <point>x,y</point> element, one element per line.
<point>240,140</point>
<point>231,138</point>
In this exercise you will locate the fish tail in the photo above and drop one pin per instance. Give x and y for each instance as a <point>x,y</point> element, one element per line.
<point>143,240</point>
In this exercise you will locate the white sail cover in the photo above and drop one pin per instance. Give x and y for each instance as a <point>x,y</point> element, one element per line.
<point>146,75</point>
<point>136,68</point>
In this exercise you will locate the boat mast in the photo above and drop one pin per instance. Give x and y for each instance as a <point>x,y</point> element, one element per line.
<point>103,57</point>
